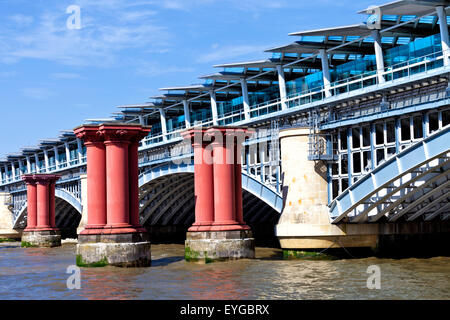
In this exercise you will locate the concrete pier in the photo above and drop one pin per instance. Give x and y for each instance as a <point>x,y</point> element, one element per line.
<point>219,231</point>
<point>305,224</point>
<point>41,230</point>
<point>112,233</point>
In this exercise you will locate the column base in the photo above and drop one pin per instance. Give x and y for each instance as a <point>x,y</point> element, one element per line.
<point>207,247</point>
<point>131,250</point>
<point>44,239</point>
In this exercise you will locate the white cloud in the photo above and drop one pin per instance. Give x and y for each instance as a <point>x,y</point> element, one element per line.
<point>65,75</point>
<point>219,54</point>
<point>152,69</point>
<point>21,20</point>
<point>37,93</point>
<point>100,41</point>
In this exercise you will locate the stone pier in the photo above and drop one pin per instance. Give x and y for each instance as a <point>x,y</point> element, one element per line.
<point>305,222</point>
<point>305,225</point>
<point>113,234</point>
<point>219,231</point>
<point>41,230</point>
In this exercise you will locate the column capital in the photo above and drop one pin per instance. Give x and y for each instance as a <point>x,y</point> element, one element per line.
<point>89,134</point>
<point>40,178</point>
<point>124,133</point>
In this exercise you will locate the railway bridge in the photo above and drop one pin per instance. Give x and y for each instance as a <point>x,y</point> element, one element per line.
<point>351,142</point>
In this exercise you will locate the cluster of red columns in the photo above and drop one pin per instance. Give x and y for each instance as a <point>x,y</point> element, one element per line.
<point>218,180</point>
<point>112,177</point>
<point>40,202</point>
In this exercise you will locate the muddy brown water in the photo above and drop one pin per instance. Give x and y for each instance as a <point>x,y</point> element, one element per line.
<point>41,274</point>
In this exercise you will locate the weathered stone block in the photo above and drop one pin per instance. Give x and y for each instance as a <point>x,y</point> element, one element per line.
<point>207,247</point>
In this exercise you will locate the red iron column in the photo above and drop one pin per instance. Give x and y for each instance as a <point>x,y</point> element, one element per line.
<point>133,164</point>
<point>122,198</point>
<point>43,205</point>
<point>240,136</point>
<point>52,203</point>
<point>96,176</point>
<point>224,182</point>
<point>203,179</point>
<point>228,237</point>
<point>113,173</point>
<point>41,228</point>
<point>31,202</point>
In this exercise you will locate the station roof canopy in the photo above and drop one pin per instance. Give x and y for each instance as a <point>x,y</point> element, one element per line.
<point>30,150</point>
<point>408,7</point>
<point>49,142</point>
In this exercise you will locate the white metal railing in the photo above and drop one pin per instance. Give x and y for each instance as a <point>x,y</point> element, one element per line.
<point>401,70</point>
<point>363,80</point>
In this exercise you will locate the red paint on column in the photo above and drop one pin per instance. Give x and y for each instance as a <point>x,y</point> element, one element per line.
<point>96,177</point>
<point>52,204</point>
<point>96,184</point>
<point>224,189</point>
<point>117,184</point>
<point>238,185</point>
<point>43,216</point>
<point>31,203</point>
<point>203,180</point>
<point>133,163</point>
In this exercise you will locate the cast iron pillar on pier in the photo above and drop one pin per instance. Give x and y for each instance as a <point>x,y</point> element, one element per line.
<point>41,230</point>
<point>219,231</point>
<point>113,234</point>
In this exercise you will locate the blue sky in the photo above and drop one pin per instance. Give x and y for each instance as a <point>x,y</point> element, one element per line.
<point>53,78</point>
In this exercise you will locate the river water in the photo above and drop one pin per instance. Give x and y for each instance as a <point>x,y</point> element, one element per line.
<point>41,274</point>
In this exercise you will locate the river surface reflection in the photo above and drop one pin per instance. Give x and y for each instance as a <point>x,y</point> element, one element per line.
<point>41,274</point>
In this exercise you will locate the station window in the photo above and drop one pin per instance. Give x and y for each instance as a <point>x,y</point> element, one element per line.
<point>390,152</point>
<point>380,156</point>
<point>379,133</point>
<point>405,129</point>
<point>334,169</point>
<point>335,188</point>
<point>344,184</point>
<point>433,122</point>
<point>343,138</point>
<point>367,161</point>
<point>445,118</point>
<point>357,162</point>
<point>418,127</point>
<point>344,164</point>
<point>356,140</point>
<point>366,136</point>
<point>390,131</point>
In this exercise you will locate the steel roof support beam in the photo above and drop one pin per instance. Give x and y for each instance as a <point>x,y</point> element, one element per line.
<point>444,33</point>
<point>325,72</point>
<point>378,54</point>
<point>245,99</point>
<point>46,160</point>
<point>80,150</point>
<point>55,149</point>
<point>215,115</point>
<point>28,164</point>
<point>66,145</point>
<point>162,114</point>
<point>187,114</point>
<point>282,86</point>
